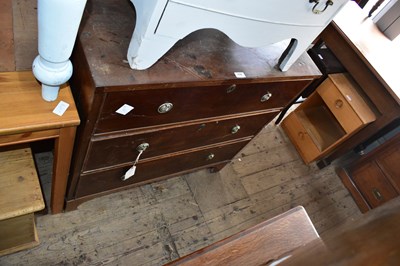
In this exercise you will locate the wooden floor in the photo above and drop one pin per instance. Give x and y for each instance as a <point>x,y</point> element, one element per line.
<point>153,224</point>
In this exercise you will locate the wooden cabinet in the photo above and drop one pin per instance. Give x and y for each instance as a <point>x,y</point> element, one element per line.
<point>189,109</point>
<point>329,116</point>
<point>374,178</point>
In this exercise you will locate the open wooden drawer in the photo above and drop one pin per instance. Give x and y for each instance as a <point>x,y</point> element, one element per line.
<point>334,112</point>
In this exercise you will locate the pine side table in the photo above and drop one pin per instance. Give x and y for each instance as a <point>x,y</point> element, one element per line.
<point>26,117</point>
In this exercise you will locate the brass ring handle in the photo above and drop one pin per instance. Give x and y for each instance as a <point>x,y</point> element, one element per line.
<point>235,129</point>
<point>338,104</point>
<point>231,88</point>
<point>266,97</point>
<point>377,194</point>
<point>131,171</point>
<point>142,147</point>
<point>315,10</point>
<point>165,108</point>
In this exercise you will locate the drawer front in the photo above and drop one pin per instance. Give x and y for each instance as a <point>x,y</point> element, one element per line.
<point>146,171</point>
<point>300,138</point>
<point>114,151</point>
<point>151,106</point>
<point>373,185</point>
<point>339,106</point>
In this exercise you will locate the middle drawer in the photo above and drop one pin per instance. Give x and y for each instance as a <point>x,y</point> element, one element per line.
<point>119,150</point>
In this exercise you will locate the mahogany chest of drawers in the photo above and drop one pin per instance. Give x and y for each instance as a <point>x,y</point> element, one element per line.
<point>190,110</point>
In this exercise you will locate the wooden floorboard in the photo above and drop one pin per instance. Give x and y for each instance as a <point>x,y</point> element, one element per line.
<point>25,33</point>
<point>156,223</point>
<point>7,59</point>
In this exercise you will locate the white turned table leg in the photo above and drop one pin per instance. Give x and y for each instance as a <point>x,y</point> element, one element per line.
<point>58,22</point>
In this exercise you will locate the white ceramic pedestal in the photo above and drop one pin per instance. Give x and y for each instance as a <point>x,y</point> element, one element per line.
<point>250,23</point>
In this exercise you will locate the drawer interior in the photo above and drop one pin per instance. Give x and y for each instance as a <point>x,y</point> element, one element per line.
<point>319,122</point>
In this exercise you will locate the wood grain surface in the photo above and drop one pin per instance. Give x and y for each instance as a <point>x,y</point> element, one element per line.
<point>23,108</point>
<point>20,191</point>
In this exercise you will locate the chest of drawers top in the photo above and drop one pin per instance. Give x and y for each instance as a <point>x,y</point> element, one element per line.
<point>205,57</point>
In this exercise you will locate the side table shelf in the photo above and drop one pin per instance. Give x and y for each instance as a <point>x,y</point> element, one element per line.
<point>20,197</point>
<point>25,117</point>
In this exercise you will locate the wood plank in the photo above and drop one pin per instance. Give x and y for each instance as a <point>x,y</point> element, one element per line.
<point>7,60</point>
<point>25,33</point>
<point>62,159</point>
<point>260,244</point>
<point>275,176</point>
<point>264,160</point>
<point>24,110</point>
<point>372,239</point>
<point>215,190</point>
<point>20,191</point>
<point>17,234</point>
<point>6,140</point>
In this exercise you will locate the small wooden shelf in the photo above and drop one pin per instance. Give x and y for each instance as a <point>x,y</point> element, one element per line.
<point>20,197</point>
<point>320,124</point>
<point>329,116</point>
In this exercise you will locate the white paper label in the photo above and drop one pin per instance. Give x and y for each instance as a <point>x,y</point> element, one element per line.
<point>130,172</point>
<point>124,109</point>
<point>240,75</point>
<point>61,108</point>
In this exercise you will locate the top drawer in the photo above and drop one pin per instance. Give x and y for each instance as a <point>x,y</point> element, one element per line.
<point>151,106</point>
<point>342,96</point>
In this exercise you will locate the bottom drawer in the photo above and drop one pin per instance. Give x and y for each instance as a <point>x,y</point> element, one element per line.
<point>147,171</point>
<point>300,138</point>
<point>373,185</point>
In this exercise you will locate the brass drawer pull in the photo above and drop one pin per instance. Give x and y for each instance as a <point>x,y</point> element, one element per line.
<point>317,11</point>
<point>235,129</point>
<point>338,104</point>
<point>266,97</point>
<point>301,135</point>
<point>377,194</point>
<point>165,108</point>
<point>210,156</point>
<point>131,171</point>
<point>142,147</point>
<point>231,88</point>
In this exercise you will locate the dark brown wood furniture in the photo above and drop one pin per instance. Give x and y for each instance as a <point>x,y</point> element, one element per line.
<point>190,108</point>
<point>372,239</point>
<point>262,244</point>
<point>370,58</point>
<point>374,178</point>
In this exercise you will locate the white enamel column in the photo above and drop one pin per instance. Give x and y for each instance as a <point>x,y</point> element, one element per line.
<point>58,23</point>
